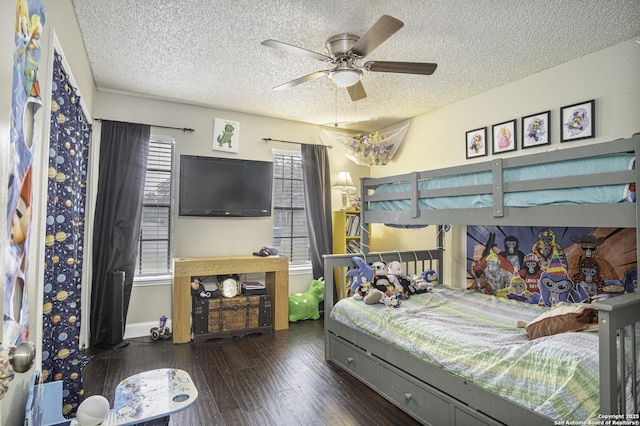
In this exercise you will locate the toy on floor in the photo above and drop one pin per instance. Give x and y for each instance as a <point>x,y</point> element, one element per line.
<point>162,331</point>
<point>304,306</point>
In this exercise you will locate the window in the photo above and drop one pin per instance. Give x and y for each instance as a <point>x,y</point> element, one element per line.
<point>290,235</point>
<point>154,244</point>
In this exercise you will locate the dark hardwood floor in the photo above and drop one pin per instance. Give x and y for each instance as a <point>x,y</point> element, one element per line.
<point>279,378</point>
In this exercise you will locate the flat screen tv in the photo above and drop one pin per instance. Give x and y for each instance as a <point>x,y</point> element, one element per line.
<point>224,187</point>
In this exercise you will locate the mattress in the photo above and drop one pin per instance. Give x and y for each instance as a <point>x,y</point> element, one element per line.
<point>604,194</point>
<point>474,336</point>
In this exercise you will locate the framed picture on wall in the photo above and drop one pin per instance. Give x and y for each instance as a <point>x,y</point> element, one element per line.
<point>226,135</point>
<point>476,143</point>
<point>504,137</point>
<point>535,130</point>
<point>577,121</point>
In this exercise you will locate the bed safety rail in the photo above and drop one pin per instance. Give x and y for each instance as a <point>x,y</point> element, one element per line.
<point>497,213</point>
<point>618,317</point>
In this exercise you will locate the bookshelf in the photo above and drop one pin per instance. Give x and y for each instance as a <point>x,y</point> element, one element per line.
<point>346,231</point>
<point>346,239</point>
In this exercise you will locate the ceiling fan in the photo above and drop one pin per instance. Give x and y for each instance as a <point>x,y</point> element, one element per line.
<point>346,50</point>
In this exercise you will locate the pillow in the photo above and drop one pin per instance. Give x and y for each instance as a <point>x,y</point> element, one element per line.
<point>563,318</point>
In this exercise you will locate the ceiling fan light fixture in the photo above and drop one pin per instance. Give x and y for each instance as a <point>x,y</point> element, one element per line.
<point>346,77</point>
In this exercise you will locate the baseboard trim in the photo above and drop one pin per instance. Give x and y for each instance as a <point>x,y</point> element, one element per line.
<point>141,329</point>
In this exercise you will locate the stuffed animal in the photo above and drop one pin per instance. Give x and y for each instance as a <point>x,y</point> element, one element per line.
<point>423,282</point>
<point>362,290</point>
<point>392,301</point>
<point>380,279</point>
<point>362,275</point>
<point>404,285</point>
<point>304,306</point>
<point>389,299</point>
<point>394,275</point>
<point>374,296</point>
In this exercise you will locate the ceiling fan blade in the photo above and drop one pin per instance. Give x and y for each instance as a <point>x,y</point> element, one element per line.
<point>356,92</point>
<point>423,68</point>
<point>384,28</point>
<point>301,80</point>
<point>296,50</point>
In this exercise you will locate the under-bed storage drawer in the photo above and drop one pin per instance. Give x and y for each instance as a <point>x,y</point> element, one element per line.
<point>356,361</point>
<point>413,397</point>
<point>425,403</point>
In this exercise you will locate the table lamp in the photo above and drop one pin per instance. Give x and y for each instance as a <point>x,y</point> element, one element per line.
<point>345,184</point>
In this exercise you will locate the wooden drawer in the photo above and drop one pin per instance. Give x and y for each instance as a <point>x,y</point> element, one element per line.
<point>356,361</point>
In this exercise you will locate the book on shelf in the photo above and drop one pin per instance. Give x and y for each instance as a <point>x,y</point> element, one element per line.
<point>353,225</point>
<point>353,246</point>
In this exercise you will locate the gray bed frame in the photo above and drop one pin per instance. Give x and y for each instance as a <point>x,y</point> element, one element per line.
<point>431,395</point>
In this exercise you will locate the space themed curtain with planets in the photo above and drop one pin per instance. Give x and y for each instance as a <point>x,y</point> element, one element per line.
<point>64,240</point>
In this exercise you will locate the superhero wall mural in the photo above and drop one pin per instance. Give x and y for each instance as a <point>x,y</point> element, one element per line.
<point>25,102</point>
<point>548,265</point>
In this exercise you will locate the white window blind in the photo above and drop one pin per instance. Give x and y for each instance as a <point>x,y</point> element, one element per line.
<point>290,235</point>
<point>154,254</point>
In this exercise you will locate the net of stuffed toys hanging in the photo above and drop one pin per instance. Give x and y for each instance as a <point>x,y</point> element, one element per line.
<point>367,149</point>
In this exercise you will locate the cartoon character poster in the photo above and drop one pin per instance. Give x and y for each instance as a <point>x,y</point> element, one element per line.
<point>25,101</point>
<point>548,265</point>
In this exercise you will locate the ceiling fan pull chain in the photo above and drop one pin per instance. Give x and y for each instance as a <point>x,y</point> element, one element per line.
<point>335,90</point>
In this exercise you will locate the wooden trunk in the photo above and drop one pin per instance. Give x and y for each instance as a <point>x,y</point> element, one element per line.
<point>229,317</point>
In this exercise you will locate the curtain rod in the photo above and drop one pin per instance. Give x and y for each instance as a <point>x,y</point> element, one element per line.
<point>297,143</point>
<point>184,129</point>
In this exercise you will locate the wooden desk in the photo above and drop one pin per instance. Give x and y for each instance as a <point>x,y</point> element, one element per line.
<point>277,283</point>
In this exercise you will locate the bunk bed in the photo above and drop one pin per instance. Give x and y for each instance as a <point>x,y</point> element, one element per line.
<point>435,393</point>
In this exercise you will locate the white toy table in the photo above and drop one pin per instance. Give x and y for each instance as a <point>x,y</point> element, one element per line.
<point>152,395</point>
<point>141,398</point>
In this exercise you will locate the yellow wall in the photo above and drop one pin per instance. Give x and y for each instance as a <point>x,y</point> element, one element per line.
<point>437,139</point>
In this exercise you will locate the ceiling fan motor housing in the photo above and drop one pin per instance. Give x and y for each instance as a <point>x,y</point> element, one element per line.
<point>345,50</point>
<point>341,44</point>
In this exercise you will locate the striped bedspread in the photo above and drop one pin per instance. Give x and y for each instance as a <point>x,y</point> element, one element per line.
<point>474,337</point>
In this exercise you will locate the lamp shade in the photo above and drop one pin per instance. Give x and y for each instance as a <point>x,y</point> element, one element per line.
<point>344,180</point>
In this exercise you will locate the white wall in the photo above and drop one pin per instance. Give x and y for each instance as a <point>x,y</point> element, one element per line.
<point>437,139</point>
<point>196,236</point>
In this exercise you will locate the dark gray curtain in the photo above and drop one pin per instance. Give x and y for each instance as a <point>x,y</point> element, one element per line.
<point>317,202</point>
<point>124,148</point>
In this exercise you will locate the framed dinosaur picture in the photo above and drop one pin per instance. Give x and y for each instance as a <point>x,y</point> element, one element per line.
<point>226,135</point>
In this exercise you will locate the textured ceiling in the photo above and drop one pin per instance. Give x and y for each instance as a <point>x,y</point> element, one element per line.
<point>208,52</point>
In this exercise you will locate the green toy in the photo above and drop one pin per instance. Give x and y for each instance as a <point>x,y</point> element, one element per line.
<point>225,137</point>
<point>304,306</point>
